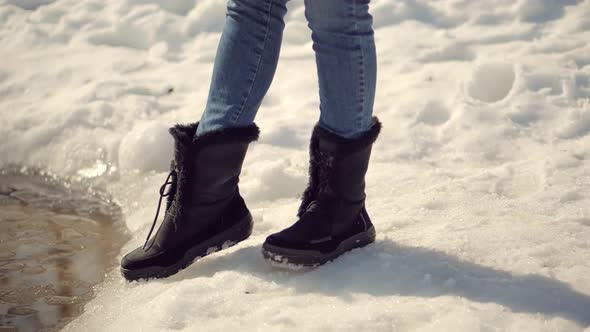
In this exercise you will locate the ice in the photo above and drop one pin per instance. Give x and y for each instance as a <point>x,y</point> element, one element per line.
<point>479,184</point>
<point>50,258</point>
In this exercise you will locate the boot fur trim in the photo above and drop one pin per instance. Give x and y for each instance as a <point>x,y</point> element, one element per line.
<point>349,145</point>
<point>186,143</point>
<point>245,134</point>
<point>186,134</point>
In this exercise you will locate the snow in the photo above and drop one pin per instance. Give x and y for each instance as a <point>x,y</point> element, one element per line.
<point>479,184</point>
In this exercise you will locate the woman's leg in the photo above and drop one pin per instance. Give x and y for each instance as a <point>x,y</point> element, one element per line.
<point>204,209</point>
<point>245,64</point>
<point>332,218</point>
<point>344,46</point>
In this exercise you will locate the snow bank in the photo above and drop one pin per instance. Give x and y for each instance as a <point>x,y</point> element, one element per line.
<point>479,184</point>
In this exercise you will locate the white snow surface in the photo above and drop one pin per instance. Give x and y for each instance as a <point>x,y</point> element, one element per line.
<point>479,185</point>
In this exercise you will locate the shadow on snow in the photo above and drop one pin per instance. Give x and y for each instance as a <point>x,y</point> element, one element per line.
<point>389,269</point>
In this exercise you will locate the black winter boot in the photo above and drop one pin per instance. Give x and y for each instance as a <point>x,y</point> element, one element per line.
<point>204,211</point>
<point>332,215</point>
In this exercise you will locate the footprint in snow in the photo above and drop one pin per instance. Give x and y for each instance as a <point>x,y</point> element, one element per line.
<point>434,113</point>
<point>491,82</point>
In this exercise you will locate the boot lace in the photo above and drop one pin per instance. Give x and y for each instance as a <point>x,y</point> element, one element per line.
<point>170,181</point>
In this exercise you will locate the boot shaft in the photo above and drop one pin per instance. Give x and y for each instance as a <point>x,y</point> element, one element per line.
<point>216,172</point>
<point>337,170</point>
<point>344,171</point>
<point>209,165</point>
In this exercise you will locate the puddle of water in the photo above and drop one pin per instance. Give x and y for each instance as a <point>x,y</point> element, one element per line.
<point>56,245</point>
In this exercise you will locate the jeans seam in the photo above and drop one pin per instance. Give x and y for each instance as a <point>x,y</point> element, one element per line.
<point>266,33</point>
<point>361,72</point>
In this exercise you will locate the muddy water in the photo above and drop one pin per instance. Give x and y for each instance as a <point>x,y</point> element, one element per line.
<point>56,245</point>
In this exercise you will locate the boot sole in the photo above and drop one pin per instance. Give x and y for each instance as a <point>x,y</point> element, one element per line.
<point>297,258</point>
<point>223,240</point>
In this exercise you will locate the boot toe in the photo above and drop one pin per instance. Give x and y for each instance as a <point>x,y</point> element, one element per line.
<point>289,242</point>
<point>279,241</point>
<point>133,259</point>
<point>140,258</point>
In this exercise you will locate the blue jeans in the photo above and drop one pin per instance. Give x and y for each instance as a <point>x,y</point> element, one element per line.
<point>248,53</point>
